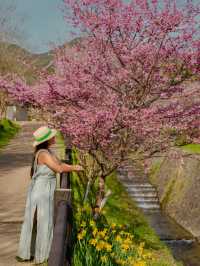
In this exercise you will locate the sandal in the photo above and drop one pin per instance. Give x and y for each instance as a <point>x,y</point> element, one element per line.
<point>42,263</point>
<point>19,259</point>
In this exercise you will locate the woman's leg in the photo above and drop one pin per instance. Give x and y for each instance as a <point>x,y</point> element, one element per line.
<point>24,250</point>
<point>34,233</point>
<point>44,227</point>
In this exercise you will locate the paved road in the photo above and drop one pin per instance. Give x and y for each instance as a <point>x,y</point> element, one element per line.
<point>15,162</point>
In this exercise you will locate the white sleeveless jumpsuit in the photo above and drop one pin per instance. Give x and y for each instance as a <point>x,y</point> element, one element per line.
<point>40,195</point>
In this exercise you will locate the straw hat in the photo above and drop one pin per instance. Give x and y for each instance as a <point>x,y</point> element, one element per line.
<point>43,134</point>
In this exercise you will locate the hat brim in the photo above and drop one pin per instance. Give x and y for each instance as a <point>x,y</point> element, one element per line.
<point>53,134</point>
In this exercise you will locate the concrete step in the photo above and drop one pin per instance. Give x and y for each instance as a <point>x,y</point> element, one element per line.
<point>146,194</point>
<point>148,206</point>
<point>140,185</point>
<point>146,200</point>
<point>151,211</point>
<point>141,189</point>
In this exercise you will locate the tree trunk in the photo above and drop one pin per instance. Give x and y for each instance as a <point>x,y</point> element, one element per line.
<point>3,104</point>
<point>87,191</point>
<point>101,192</point>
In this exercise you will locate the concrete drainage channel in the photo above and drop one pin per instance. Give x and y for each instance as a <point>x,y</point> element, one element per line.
<point>183,245</point>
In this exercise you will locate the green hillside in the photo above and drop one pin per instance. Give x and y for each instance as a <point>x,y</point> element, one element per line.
<point>14,59</point>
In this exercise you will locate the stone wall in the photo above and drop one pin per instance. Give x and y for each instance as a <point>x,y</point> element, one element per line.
<point>177,179</point>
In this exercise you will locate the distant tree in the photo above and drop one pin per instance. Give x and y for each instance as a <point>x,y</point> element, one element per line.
<point>15,60</point>
<point>10,32</point>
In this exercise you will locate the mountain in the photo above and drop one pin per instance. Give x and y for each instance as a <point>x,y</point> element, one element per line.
<point>14,59</point>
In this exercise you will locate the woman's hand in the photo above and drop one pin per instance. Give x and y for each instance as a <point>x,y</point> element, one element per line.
<point>78,168</point>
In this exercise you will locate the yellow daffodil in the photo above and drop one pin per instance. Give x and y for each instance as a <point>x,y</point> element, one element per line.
<point>92,223</point>
<point>108,247</point>
<point>95,231</point>
<point>118,238</point>
<point>142,244</point>
<point>100,245</point>
<point>104,258</point>
<point>103,233</point>
<point>125,247</point>
<point>113,225</point>
<point>81,235</point>
<point>121,262</point>
<point>128,241</point>
<point>140,249</point>
<point>112,254</point>
<point>131,260</point>
<point>140,263</point>
<point>93,242</point>
<point>148,255</point>
<point>83,224</point>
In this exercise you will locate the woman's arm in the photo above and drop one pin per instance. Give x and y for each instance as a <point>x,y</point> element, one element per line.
<point>47,158</point>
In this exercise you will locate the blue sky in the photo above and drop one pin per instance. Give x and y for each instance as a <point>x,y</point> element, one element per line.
<point>43,23</point>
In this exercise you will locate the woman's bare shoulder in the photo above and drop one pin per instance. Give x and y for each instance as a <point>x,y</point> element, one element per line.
<point>44,156</point>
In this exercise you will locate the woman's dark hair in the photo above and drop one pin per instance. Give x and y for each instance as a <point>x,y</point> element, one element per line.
<point>43,145</point>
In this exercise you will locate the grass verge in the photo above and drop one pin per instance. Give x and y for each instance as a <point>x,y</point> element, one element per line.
<point>191,148</point>
<point>8,129</point>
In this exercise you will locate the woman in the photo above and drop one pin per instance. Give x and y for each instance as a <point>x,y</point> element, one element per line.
<point>39,204</point>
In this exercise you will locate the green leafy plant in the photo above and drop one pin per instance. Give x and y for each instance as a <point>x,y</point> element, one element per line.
<point>8,129</point>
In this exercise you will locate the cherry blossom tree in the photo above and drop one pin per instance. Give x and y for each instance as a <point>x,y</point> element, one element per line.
<point>123,84</point>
